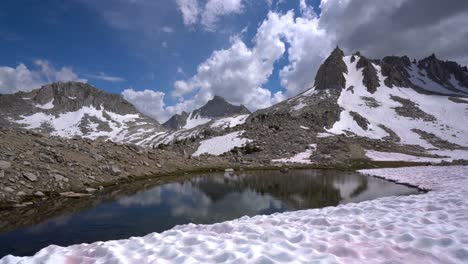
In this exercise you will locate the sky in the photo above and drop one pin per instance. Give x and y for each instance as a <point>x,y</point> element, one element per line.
<point>168,56</point>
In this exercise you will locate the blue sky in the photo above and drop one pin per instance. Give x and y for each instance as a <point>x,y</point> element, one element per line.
<point>165,56</point>
<point>149,55</point>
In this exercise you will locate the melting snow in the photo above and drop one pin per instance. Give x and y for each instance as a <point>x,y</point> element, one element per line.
<point>302,158</point>
<point>230,121</point>
<point>304,127</point>
<point>425,228</point>
<point>222,144</point>
<point>48,105</point>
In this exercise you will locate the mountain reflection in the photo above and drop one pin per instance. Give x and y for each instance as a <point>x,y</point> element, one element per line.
<point>150,206</point>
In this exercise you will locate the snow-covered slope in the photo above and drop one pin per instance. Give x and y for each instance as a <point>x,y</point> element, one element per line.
<point>77,109</point>
<point>358,105</point>
<point>424,228</point>
<point>406,112</point>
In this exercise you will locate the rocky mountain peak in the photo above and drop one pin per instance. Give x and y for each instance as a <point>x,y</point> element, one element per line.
<point>215,108</point>
<point>219,107</point>
<point>330,73</point>
<point>443,72</point>
<point>60,97</point>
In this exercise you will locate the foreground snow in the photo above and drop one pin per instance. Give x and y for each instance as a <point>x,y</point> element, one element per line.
<point>425,228</point>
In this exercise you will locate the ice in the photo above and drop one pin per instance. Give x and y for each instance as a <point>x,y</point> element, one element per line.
<point>304,127</point>
<point>301,158</point>
<point>222,144</point>
<point>229,122</point>
<point>424,228</point>
<point>48,105</point>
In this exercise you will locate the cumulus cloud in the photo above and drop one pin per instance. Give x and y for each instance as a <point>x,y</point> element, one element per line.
<point>378,28</point>
<point>149,102</point>
<point>193,11</point>
<point>413,27</point>
<point>239,72</point>
<point>21,78</point>
<point>190,11</point>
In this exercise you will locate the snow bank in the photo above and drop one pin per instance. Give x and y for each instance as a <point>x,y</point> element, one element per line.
<point>302,158</point>
<point>222,144</point>
<point>425,228</point>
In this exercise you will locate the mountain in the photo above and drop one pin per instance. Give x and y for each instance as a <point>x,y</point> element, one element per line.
<point>76,109</point>
<point>360,109</point>
<point>215,109</point>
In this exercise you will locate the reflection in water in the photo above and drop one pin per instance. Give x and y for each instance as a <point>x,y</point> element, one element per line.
<point>203,199</point>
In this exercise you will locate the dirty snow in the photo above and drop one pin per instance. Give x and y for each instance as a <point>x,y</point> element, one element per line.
<point>450,117</point>
<point>302,158</point>
<point>222,144</point>
<point>46,106</point>
<point>229,122</point>
<point>425,228</point>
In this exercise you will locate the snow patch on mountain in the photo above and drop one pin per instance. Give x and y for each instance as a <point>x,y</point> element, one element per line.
<point>69,124</point>
<point>301,158</point>
<point>48,105</point>
<point>194,121</point>
<point>222,144</point>
<point>229,122</point>
<point>449,123</point>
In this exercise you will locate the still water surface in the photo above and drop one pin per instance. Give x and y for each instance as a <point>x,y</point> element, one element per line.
<point>201,199</point>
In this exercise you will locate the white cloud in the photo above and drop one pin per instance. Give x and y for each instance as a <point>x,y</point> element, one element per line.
<point>190,11</point>
<point>104,77</point>
<point>23,79</point>
<point>151,103</point>
<point>164,44</point>
<point>193,11</point>
<point>167,29</point>
<point>239,72</point>
<point>148,102</point>
<point>217,8</point>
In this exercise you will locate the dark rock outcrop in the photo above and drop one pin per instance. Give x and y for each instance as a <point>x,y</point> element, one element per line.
<point>370,78</point>
<point>330,74</point>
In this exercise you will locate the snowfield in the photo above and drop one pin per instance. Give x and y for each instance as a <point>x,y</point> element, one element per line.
<point>222,144</point>
<point>425,228</point>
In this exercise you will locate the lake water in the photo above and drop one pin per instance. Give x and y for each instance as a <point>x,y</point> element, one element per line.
<point>142,208</point>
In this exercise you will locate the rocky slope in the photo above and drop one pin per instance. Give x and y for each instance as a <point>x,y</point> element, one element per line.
<point>76,109</point>
<point>361,109</point>
<point>35,166</point>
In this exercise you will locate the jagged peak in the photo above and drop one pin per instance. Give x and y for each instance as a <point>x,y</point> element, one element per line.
<point>330,74</point>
